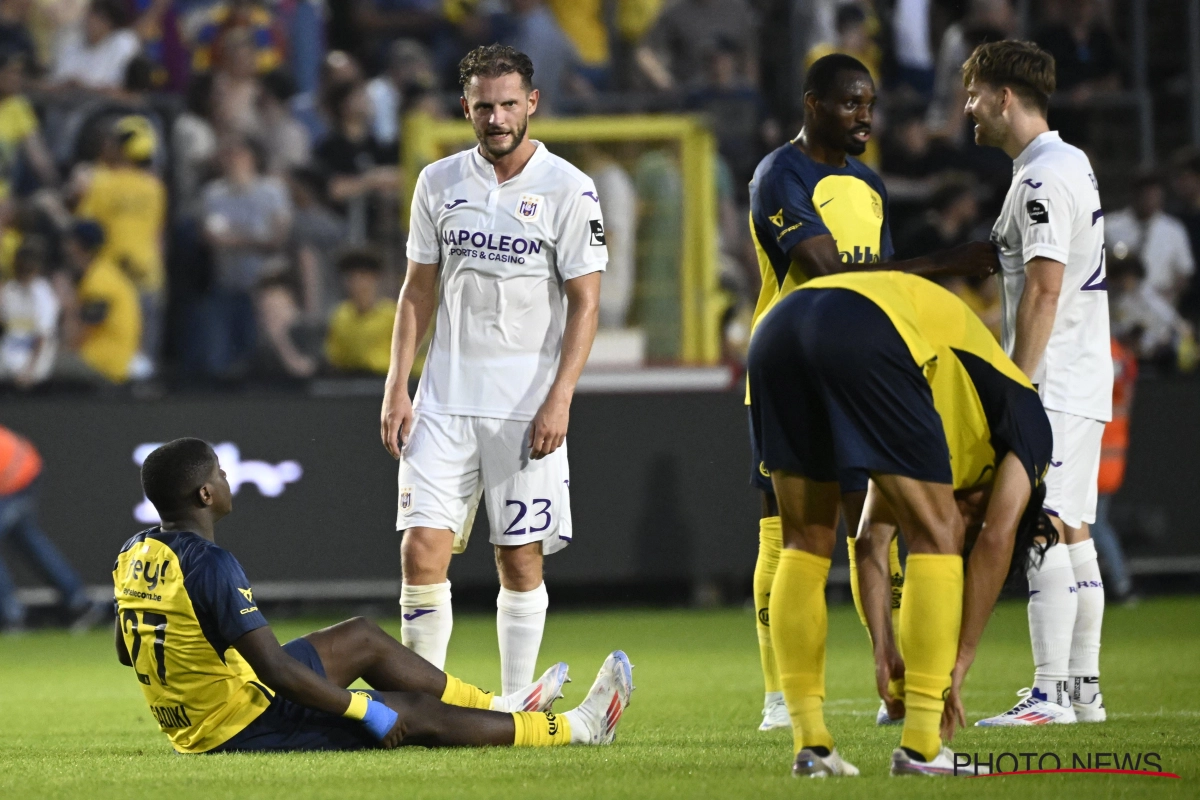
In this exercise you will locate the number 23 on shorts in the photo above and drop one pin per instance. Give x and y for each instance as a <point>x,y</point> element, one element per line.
<point>540,517</point>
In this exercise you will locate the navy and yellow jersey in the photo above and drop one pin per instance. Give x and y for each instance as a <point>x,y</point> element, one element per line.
<point>987,405</point>
<point>793,198</point>
<point>181,601</point>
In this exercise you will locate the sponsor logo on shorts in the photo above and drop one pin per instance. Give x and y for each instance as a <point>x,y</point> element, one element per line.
<point>420,612</point>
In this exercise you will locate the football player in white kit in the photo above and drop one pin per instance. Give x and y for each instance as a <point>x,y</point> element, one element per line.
<point>506,242</point>
<point>1050,237</point>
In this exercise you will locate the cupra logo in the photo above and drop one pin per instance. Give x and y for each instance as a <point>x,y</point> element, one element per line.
<point>270,479</point>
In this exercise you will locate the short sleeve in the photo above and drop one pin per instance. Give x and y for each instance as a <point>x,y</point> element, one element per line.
<point>223,599</point>
<point>581,246</point>
<point>886,251</point>
<point>423,245</point>
<point>1025,432</point>
<point>1045,210</point>
<point>787,204</point>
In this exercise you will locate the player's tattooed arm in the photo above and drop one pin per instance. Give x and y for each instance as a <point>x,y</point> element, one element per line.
<point>414,310</point>
<point>875,533</point>
<point>1036,312</point>
<point>549,428</point>
<point>819,256</point>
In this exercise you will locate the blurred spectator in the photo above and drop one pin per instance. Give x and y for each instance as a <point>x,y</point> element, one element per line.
<point>157,25</point>
<point>377,22</point>
<point>985,21</point>
<point>129,201</point>
<point>586,23</point>
<point>618,204</point>
<point>659,188</point>
<point>914,53</point>
<point>96,56</point>
<point>305,21</point>
<point>535,32</point>
<point>210,28</point>
<point>1085,55</point>
<point>286,140</point>
<point>734,108</point>
<point>236,87</point>
<point>45,21</point>
<point>360,329</point>
<point>359,167</point>
<point>20,468</point>
<point>102,325</point>
<point>14,33</point>
<point>1140,317</point>
<point>29,316</point>
<point>247,221</point>
<point>911,160</point>
<point>312,108</point>
<point>21,140</point>
<point>952,215</point>
<point>316,233</point>
<point>409,65</point>
<point>281,323</point>
<point>1158,240</point>
<point>853,39</point>
<point>193,147</point>
<point>1186,183</point>
<point>673,52</point>
<point>1113,448</point>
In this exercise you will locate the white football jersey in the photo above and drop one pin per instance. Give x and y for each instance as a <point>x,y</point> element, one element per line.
<point>1053,211</point>
<point>504,251</point>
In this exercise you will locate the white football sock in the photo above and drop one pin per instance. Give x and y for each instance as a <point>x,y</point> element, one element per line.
<point>427,620</point>
<point>1052,607</point>
<point>520,619</point>
<point>771,698</point>
<point>1085,643</point>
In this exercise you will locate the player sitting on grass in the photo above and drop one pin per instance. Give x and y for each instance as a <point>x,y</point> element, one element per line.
<point>217,679</point>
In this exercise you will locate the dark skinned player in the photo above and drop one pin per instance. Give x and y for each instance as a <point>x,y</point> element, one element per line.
<point>815,210</point>
<point>217,679</point>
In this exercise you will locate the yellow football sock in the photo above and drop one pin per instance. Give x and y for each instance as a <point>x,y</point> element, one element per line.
<point>799,625</point>
<point>930,618</point>
<point>540,729</point>
<point>770,542</point>
<point>462,694</point>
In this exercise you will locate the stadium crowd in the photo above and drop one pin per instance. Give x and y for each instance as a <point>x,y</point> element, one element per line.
<point>206,192</point>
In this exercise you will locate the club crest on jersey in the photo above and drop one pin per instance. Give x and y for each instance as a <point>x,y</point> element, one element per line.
<point>530,206</point>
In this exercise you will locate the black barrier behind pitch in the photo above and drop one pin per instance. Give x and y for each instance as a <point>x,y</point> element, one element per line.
<point>658,485</point>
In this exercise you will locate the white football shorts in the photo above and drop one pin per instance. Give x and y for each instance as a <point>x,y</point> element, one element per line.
<point>450,460</point>
<point>1071,481</point>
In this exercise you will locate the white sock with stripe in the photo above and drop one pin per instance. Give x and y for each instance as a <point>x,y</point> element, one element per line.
<point>1085,642</point>
<point>427,620</point>
<point>1053,603</point>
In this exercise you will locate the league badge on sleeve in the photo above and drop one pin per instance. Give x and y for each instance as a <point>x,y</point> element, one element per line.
<point>1038,210</point>
<point>597,227</point>
<point>529,207</point>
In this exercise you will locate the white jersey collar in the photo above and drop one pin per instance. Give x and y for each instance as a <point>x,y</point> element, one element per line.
<point>1039,141</point>
<point>489,171</point>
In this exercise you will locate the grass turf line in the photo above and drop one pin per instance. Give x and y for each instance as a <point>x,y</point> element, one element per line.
<point>73,723</point>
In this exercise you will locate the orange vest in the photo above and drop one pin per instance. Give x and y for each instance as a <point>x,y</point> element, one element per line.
<point>1116,433</point>
<point>19,462</point>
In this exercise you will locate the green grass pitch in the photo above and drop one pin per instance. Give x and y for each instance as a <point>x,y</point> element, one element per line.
<point>73,723</point>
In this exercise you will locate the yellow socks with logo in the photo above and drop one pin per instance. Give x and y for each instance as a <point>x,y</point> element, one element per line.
<point>462,694</point>
<point>540,729</point>
<point>930,618</point>
<point>799,622</point>
<point>770,542</point>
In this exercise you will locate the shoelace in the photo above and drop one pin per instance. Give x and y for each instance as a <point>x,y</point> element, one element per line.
<point>1027,701</point>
